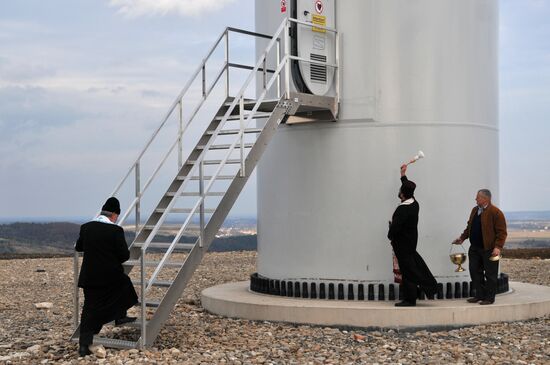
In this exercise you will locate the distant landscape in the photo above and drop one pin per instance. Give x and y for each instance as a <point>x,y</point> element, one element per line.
<point>58,238</point>
<point>20,237</point>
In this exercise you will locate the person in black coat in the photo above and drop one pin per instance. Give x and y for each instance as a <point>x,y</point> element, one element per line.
<point>108,291</point>
<point>403,234</point>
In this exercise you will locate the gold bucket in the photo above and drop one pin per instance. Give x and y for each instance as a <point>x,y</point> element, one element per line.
<point>458,258</point>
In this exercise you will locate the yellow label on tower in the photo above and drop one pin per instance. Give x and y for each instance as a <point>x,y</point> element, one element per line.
<point>319,20</point>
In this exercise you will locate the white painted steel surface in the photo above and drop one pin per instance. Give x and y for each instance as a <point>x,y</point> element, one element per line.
<point>415,75</point>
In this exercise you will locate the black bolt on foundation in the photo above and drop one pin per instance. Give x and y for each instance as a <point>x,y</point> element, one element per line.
<point>360,292</point>
<point>351,296</point>
<point>449,291</point>
<point>381,295</point>
<point>331,291</point>
<point>340,291</point>
<point>465,291</point>
<point>391,292</point>
<point>313,291</point>
<point>458,291</point>
<point>439,290</point>
<point>370,293</point>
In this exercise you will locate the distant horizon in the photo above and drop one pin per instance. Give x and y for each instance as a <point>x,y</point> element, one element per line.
<point>82,219</point>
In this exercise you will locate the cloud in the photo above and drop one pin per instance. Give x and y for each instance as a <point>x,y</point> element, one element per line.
<point>136,8</point>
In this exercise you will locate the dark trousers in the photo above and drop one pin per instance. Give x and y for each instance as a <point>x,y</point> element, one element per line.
<point>483,272</point>
<point>101,306</point>
<point>409,290</point>
<point>89,327</point>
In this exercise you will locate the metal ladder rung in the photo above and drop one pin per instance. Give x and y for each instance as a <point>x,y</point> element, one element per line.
<point>226,132</point>
<point>112,342</point>
<point>212,193</point>
<point>224,146</point>
<point>216,162</point>
<point>245,116</point>
<point>185,210</point>
<point>150,304</point>
<point>219,177</point>
<point>162,283</point>
<point>167,227</point>
<point>152,263</point>
<point>252,102</point>
<point>178,246</point>
<point>135,324</point>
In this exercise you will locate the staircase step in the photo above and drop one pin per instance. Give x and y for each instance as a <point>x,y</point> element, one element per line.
<point>238,117</point>
<point>185,210</point>
<point>112,342</point>
<point>215,162</point>
<point>226,132</point>
<point>223,146</point>
<point>212,193</point>
<point>251,102</point>
<point>178,247</point>
<point>151,304</point>
<point>161,283</point>
<point>219,177</point>
<point>152,263</point>
<point>169,227</point>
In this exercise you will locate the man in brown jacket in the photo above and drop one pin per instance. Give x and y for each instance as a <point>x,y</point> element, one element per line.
<point>486,230</point>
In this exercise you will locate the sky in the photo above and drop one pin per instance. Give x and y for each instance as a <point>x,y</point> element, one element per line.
<point>83,83</point>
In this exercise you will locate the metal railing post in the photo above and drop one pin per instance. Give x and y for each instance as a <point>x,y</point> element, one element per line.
<point>204,80</point>
<point>202,196</point>
<point>241,125</point>
<point>264,73</point>
<point>138,193</point>
<point>338,68</point>
<point>143,303</point>
<point>180,136</point>
<point>287,56</point>
<point>279,74</point>
<point>76,301</point>
<point>226,63</point>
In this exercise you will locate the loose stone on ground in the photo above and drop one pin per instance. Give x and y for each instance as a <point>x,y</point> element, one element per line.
<point>192,336</point>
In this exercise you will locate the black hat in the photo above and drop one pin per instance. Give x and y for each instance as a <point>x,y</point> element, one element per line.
<point>111,205</point>
<point>407,189</point>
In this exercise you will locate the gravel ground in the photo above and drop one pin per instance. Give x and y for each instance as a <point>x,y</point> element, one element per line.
<point>192,336</point>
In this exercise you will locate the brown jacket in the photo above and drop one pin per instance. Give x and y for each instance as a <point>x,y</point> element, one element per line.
<point>493,227</point>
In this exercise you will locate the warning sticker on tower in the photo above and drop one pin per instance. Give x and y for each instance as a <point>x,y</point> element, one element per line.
<point>319,20</point>
<point>319,6</point>
<point>283,6</point>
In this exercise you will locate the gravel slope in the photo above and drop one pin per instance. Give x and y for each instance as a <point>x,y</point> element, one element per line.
<point>192,336</point>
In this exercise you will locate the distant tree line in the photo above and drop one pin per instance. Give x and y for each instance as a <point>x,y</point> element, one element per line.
<point>59,238</point>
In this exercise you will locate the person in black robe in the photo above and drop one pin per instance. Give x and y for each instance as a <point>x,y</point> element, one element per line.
<point>403,234</point>
<point>108,291</point>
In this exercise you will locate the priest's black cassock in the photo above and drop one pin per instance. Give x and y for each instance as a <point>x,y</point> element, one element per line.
<point>108,291</point>
<point>403,234</point>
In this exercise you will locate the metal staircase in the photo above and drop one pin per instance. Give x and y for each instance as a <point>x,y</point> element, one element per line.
<point>209,181</point>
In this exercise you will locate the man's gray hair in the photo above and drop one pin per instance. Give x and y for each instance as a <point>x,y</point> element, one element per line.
<point>485,192</point>
<point>106,213</point>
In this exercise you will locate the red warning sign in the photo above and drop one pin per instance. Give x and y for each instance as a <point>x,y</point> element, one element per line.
<point>283,6</point>
<point>319,6</point>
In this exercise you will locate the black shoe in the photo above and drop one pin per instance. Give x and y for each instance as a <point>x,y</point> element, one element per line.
<point>124,320</point>
<point>474,300</point>
<point>486,302</point>
<point>405,304</point>
<point>84,350</point>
